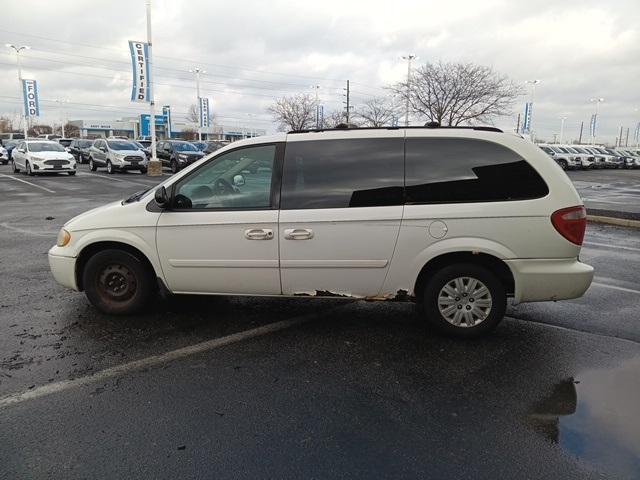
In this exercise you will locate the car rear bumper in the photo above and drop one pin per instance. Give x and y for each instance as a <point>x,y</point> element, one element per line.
<point>63,269</point>
<point>549,279</point>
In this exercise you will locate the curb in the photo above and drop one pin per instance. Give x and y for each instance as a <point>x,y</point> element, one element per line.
<point>621,222</point>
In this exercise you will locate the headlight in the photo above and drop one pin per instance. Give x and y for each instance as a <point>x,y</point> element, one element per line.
<point>182,156</point>
<point>37,159</point>
<point>64,238</point>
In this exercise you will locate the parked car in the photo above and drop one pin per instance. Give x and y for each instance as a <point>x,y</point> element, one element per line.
<point>585,160</point>
<point>596,161</point>
<point>214,145</point>
<point>116,155</point>
<point>142,148</point>
<point>632,159</point>
<point>4,137</point>
<point>199,145</point>
<point>9,145</point>
<point>145,143</point>
<point>177,154</point>
<point>4,155</point>
<point>42,156</point>
<point>565,160</point>
<point>600,158</point>
<point>456,219</point>
<point>65,142</point>
<point>611,160</point>
<point>79,148</point>
<point>49,136</point>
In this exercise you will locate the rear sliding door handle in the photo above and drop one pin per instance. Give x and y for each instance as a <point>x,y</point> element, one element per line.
<point>298,233</point>
<point>258,234</point>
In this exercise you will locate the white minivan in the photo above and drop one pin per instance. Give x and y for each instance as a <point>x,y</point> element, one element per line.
<point>455,219</point>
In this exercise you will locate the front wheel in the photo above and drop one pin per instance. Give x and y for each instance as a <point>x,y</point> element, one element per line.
<point>143,171</point>
<point>29,171</point>
<point>109,167</point>
<point>92,165</point>
<point>174,166</point>
<point>5,162</point>
<point>464,300</point>
<point>72,173</point>
<point>563,164</point>
<point>14,168</point>
<point>117,282</point>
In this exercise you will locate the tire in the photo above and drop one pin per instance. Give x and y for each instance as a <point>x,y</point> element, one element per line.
<point>483,313</point>
<point>143,171</point>
<point>174,166</point>
<point>92,165</point>
<point>563,164</point>
<point>117,282</point>
<point>109,167</point>
<point>14,168</point>
<point>28,170</point>
<point>5,162</point>
<point>71,174</point>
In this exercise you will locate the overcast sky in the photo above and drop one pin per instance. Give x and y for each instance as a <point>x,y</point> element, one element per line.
<point>254,51</point>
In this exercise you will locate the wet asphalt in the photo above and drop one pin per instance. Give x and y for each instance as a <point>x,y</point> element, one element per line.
<point>348,389</point>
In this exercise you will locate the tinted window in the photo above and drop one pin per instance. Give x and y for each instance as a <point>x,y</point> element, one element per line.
<point>184,147</point>
<point>343,173</point>
<point>443,170</point>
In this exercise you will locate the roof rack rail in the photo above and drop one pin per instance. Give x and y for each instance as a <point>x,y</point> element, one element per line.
<point>429,125</point>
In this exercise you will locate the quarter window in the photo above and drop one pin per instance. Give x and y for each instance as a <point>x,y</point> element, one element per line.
<point>342,173</point>
<point>444,170</point>
<point>240,179</point>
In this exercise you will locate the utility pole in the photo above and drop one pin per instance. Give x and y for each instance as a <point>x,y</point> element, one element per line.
<point>62,119</point>
<point>620,137</point>
<point>348,102</point>
<point>317,88</point>
<point>581,127</point>
<point>18,50</point>
<point>155,166</point>
<point>518,124</point>
<point>597,101</point>
<point>533,94</point>
<point>197,71</point>
<point>409,58</point>
<point>626,142</point>
<point>555,138</point>
<point>562,119</point>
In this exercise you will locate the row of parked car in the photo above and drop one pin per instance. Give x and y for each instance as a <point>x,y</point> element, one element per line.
<point>574,157</point>
<point>114,153</point>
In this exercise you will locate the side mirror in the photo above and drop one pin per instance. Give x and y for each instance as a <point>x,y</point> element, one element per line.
<point>161,197</point>
<point>238,180</point>
<point>21,150</point>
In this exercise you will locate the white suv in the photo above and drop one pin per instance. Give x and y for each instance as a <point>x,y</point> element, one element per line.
<point>457,219</point>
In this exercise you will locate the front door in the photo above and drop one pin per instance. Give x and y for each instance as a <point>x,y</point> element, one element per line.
<point>341,207</point>
<point>220,235</point>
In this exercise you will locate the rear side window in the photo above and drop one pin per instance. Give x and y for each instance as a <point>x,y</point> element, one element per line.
<point>443,170</point>
<point>343,173</point>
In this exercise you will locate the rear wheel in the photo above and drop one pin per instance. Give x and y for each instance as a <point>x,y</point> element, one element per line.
<point>174,166</point>
<point>464,300</point>
<point>14,168</point>
<point>117,282</point>
<point>563,164</point>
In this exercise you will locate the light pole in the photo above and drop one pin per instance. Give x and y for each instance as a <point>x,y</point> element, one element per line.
<point>154,169</point>
<point>597,101</point>
<point>197,71</point>
<point>533,84</point>
<point>18,50</point>
<point>59,102</point>
<point>562,119</point>
<point>409,58</point>
<point>317,89</point>
<point>253,128</point>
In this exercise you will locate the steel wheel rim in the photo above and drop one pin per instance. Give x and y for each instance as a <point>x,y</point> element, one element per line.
<point>117,283</point>
<point>465,302</point>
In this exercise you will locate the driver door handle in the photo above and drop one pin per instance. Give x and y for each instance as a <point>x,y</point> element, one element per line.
<point>298,233</point>
<point>258,234</point>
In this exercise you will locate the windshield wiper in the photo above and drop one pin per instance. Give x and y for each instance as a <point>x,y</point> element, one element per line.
<point>136,196</point>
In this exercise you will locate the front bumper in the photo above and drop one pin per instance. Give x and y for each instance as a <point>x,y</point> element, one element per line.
<point>63,268</point>
<point>549,279</point>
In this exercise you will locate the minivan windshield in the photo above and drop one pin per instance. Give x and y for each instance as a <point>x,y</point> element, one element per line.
<point>121,145</point>
<point>45,147</point>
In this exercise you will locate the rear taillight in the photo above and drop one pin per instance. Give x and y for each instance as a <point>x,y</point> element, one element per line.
<point>571,223</point>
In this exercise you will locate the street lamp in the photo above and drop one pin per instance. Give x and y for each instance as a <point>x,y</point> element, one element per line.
<point>409,58</point>
<point>317,89</point>
<point>562,119</point>
<point>533,84</point>
<point>597,101</point>
<point>62,119</point>
<point>18,49</point>
<point>197,72</point>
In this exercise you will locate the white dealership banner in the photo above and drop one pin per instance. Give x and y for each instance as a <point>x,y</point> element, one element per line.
<point>30,98</point>
<point>592,125</point>
<point>204,112</point>
<point>140,63</point>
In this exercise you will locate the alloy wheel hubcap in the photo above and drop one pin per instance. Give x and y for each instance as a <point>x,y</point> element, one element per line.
<point>465,302</point>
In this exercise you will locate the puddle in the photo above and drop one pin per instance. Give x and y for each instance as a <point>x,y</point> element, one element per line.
<point>596,418</point>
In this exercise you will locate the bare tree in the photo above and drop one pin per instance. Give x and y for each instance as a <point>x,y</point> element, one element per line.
<point>71,130</point>
<point>458,93</point>
<point>37,129</point>
<point>376,112</point>
<point>193,115</point>
<point>297,112</point>
<point>334,119</point>
<point>6,124</point>
<point>189,134</point>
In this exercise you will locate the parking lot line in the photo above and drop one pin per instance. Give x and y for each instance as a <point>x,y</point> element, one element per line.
<point>156,360</point>
<point>28,183</point>
<point>110,178</point>
<point>614,287</point>
<point>615,247</point>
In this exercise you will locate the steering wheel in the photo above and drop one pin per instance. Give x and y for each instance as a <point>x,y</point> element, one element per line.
<point>223,187</point>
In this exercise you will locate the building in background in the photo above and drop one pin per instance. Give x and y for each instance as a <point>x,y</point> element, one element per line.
<point>134,127</point>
